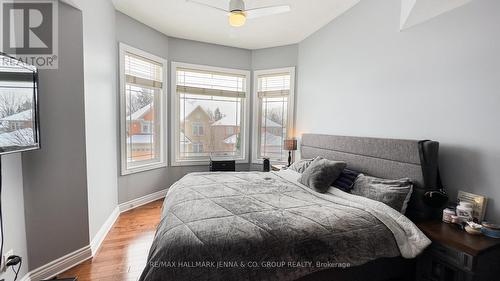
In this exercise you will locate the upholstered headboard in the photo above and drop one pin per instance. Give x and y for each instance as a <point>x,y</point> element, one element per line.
<point>385,158</point>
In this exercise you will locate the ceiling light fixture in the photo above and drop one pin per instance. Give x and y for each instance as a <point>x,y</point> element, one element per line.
<point>238,15</point>
<point>237,18</point>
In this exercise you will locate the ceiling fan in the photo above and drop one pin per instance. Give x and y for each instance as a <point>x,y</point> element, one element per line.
<point>238,15</point>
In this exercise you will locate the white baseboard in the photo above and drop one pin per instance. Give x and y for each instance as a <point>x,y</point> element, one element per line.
<point>96,242</point>
<point>59,265</point>
<point>75,258</point>
<point>126,206</point>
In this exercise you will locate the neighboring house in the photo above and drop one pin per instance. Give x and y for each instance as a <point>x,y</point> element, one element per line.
<point>199,134</point>
<point>272,127</point>
<point>18,121</point>
<point>140,122</point>
<point>140,141</point>
<point>196,129</point>
<point>272,136</point>
<point>225,134</point>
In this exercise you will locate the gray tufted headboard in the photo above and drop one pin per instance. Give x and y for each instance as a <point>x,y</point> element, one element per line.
<point>385,158</point>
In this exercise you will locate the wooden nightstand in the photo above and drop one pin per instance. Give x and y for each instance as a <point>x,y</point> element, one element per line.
<point>456,255</point>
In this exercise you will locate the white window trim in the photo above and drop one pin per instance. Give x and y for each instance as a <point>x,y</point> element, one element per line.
<point>123,122</point>
<point>291,109</point>
<point>174,141</point>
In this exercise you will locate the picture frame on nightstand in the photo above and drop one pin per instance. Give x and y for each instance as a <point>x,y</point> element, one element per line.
<point>478,204</point>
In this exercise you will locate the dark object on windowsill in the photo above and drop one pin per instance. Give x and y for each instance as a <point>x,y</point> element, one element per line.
<point>266,165</point>
<point>290,145</point>
<point>222,165</point>
<point>457,255</point>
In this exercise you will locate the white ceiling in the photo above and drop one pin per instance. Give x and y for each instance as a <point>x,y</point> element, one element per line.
<point>182,19</point>
<point>414,12</point>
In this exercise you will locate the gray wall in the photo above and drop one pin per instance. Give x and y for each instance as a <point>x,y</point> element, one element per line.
<point>101,126</point>
<point>138,35</point>
<point>285,56</point>
<point>439,80</point>
<point>13,212</point>
<point>55,178</point>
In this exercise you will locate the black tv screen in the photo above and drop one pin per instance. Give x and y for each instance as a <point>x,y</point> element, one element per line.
<point>19,124</point>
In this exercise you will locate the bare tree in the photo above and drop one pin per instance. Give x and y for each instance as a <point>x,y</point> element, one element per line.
<point>11,104</point>
<point>19,138</point>
<point>275,115</point>
<point>139,99</point>
<point>214,116</point>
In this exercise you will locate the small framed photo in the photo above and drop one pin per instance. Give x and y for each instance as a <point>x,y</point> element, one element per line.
<point>478,204</point>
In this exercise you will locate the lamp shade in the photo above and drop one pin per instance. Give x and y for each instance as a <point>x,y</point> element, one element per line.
<point>290,144</point>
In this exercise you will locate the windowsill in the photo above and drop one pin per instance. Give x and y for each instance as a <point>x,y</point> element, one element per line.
<point>260,161</point>
<point>205,162</point>
<point>144,168</point>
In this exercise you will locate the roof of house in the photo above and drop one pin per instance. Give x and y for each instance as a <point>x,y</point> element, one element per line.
<point>231,140</point>
<point>271,139</point>
<point>184,139</point>
<point>139,113</point>
<point>270,123</point>
<point>198,108</point>
<point>228,120</point>
<point>26,115</point>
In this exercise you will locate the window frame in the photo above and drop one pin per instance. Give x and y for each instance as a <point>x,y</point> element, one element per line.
<point>175,118</point>
<point>163,100</point>
<point>256,159</point>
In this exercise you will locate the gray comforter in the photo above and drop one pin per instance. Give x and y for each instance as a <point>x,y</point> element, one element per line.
<point>266,226</point>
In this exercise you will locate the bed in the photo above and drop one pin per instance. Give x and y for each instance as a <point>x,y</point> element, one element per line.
<point>267,226</point>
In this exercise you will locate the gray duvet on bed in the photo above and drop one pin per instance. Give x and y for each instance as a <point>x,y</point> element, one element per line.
<point>264,226</point>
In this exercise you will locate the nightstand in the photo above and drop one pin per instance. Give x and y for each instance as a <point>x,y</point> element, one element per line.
<point>277,167</point>
<point>456,255</point>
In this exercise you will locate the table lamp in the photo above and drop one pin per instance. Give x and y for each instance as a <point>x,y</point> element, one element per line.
<point>290,145</point>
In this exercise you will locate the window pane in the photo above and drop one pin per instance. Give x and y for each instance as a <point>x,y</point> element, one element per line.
<point>209,126</point>
<point>17,118</point>
<point>143,111</point>
<point>273,91</point>
<point>143,126</point>
<point>210,122</point>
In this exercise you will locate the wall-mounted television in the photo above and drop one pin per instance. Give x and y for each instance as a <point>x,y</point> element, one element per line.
<point>19,121</point>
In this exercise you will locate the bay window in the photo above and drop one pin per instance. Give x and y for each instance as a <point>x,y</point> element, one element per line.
<point>209,114</point>
<point>273,113</point>
<point>142,110</point>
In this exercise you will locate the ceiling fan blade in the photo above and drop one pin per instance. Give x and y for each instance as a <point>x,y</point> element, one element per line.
<point>207,5</point>
<point>267,11</point>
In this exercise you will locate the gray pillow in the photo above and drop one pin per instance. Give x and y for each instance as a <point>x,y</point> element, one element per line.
<point>394,193</point>
<point>321,174</point>
<point>301,165</point>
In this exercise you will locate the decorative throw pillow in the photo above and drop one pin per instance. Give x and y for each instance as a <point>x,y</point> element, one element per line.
<point>321,173</point>
<point>301,165</point>
<point>394,193</point>
<point>345,181</point>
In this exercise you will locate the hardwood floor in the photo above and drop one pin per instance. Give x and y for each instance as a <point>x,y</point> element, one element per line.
<point>123,253</point>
